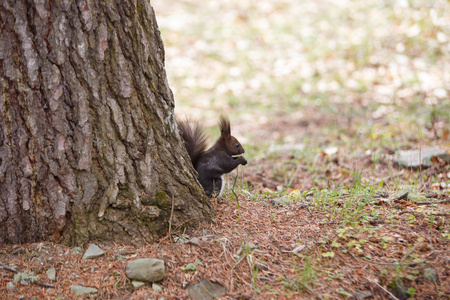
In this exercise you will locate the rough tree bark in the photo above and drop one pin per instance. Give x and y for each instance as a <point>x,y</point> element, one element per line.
<point>89,146</point>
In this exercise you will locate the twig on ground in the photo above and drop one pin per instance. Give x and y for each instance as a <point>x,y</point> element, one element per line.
<point>409,253</point>
<point>6,267</point>
<point>43,284</point>
<point>383,288</point>
<point>433,202</point>
<point>311,290</point>
<point>438,276</point>
<point>402,227</point>
<point>412,264</point>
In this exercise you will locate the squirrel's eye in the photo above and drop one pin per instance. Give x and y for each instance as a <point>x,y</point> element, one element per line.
<point>237,145</point>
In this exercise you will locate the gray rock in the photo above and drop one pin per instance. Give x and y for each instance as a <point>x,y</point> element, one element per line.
<point>10,286</point>
<point>156,287</point>
<point>362,294</point>
<point>137,284</point>
<point>251,246</point>
<point>194,241</point>
<point>93,251</point>
<point>82,290</point>
<point>403,194</point>
<point>145,269</point>
<point>51,274</point>
<point>420,158</point>
<point>247,247</point>
<point>206,290</point>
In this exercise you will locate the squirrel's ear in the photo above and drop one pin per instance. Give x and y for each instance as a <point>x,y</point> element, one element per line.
<point>224,124</point>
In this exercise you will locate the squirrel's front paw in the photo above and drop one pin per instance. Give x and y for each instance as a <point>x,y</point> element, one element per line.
<point>244,161</point>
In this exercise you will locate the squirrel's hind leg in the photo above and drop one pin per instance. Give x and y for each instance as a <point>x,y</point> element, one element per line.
<point>214,187</point>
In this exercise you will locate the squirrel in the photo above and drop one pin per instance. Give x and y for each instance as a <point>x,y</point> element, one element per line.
<point>223,157</point>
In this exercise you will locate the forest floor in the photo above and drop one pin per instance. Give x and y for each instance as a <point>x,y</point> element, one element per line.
<point>345,239</point>
<point>323,95</point>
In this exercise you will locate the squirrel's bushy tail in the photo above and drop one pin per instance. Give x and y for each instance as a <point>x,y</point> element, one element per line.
<point>194,139</point>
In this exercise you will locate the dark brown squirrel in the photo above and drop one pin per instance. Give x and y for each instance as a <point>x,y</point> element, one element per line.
<point>223,157</point>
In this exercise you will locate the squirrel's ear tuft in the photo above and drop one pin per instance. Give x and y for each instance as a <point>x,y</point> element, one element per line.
<point>224,124</point>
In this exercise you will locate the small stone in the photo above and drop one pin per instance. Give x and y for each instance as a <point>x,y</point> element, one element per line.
<point>145,269</point>
<point>93,251</point>
<point>82,290</point>
<point>156,287</point>
<point>298,249</point>
<point>206,290</point>
<point>10,286</point>
<point>382,194</point>
<point>420,158</point>
<point>331,151</point>
<point>194,241</point>
<point>403,194</point>
<point>247,247</point>
<point>362,294</point>
<point>51,274</point>
<point>251,246</point>
<point>137,284</point>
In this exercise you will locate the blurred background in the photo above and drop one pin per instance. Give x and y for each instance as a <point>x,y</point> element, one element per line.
<point>354,77</point>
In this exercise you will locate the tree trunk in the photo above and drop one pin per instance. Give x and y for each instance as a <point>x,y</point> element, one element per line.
<point>89,146</point>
